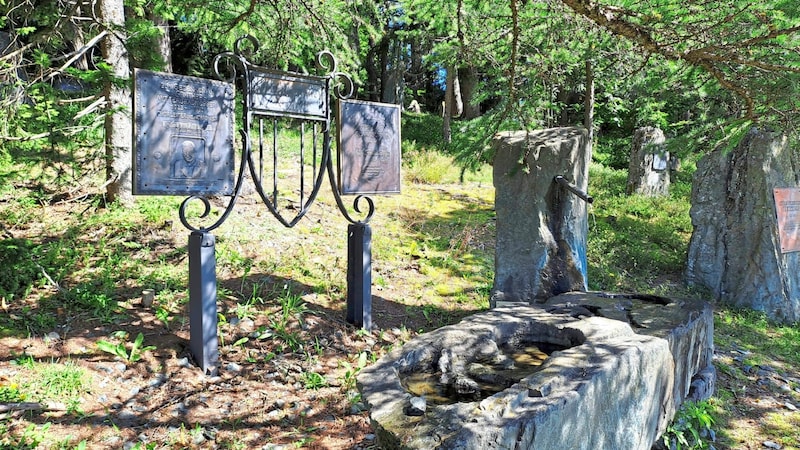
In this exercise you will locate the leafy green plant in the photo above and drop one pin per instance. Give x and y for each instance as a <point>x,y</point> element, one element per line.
<point>314,380</point>
<point>20,271</point>
<point>30,438</point>
<point>120,348</point>
<point>691,427</point>
<point>10,393</point>
<point>351,373</point>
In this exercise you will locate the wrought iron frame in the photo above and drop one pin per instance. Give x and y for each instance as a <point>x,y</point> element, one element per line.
<point>234,67</point>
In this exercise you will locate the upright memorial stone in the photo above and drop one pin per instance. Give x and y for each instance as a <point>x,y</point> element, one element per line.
<point>541,225</point>
<point>648,170</point>
<point>745,205</point>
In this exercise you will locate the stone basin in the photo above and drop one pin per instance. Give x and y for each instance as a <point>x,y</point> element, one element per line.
<point>624,366</point>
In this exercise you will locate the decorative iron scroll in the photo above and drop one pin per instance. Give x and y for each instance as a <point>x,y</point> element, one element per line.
<point>273,101</point>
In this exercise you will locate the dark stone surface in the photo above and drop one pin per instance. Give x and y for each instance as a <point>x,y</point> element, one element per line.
<point>735,249</point>
<point>649,167</point>
<point>541,227</point>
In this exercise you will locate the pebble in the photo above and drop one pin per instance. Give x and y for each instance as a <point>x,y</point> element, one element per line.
<point>790,406</point>
<point>158,380</point>
<point>184,362</point>
<point>416,406</point>
<point>233,367</point>
<point>770,444</point>
<point>52,337</point>
<point>247,325</point>
<point>104,368</point>
<point>126,415</point>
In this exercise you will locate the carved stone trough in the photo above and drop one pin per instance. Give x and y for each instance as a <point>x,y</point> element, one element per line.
<point>618,369</point>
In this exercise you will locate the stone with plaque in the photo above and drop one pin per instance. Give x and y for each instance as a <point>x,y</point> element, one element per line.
<point>369,147</point>
<point>787,207</point>
<point>183,134</point>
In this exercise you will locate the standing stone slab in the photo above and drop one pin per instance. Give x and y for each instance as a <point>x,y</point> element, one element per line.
<point>541,227</point>
<point>735,246</point>
<point>648,170</point>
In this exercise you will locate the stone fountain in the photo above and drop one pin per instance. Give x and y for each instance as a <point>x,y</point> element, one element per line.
<point>551,366</point>
<point>619,367</point>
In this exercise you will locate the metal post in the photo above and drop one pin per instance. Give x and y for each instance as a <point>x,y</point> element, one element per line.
<point>203,339</point>
<point>359,275</point>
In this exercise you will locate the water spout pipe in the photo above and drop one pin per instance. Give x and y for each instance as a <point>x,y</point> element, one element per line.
<point>572,188</point>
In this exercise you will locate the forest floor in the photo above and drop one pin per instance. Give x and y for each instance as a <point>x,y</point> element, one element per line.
<point>288,359</point>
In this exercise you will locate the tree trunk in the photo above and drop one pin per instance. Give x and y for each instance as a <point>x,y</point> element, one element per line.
<point>468,79</point>
<point>164,42</point>
<point>449,103</point>
<point>393,68</point>
<point>118,121</point>
<point>372,67</point>
<point>588,101</point>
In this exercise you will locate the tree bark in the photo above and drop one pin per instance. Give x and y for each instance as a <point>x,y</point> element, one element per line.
<point>449,103</point>
<point>468,79</point>
<point>118,125</point>
<point>588,102</point>
<point>164,42</point>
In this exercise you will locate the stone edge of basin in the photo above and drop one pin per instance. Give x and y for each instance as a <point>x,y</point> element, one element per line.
<point>575,386</point>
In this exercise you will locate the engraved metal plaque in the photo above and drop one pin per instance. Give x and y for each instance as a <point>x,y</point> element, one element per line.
<point>183,135</point>
<point>787,207</point>
<point>288,95</point>
<point>660,161</point>
<point>369,147</point>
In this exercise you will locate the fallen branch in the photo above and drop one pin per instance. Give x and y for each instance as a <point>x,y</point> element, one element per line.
<point>31,406</point>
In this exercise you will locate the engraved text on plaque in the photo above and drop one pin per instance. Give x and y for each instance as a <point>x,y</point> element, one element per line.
<point>183,134</point>
<point>787,206</point>
<point>369,147</point>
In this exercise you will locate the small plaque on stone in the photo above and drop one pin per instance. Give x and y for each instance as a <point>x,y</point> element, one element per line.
<point>369,147</point>
<point>183,135</point>
<point>787,207</point>
<point>660,161</point>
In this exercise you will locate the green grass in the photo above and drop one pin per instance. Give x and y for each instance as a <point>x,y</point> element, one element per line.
<point>633,240</point>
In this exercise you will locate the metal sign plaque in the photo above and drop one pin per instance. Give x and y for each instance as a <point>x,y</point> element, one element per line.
<point>787,206</point>
<point>183,135</point>
<point>288,94</point>
<point>369,147</point>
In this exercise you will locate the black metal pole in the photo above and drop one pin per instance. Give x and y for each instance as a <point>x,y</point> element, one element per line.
<point>359,275</point>
<point>203,339</point>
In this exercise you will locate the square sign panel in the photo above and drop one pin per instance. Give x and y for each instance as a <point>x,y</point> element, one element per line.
<point>369,147</point>
<point>183,135</point>
<point>787,206</point>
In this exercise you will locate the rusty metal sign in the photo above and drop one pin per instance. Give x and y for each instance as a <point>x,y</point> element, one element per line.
<point>288,94</point>
<point>787,207</point>
<point>183,135</point>
<point>369,147</point>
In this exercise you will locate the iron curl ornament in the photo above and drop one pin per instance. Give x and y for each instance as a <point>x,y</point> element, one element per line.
<point>267,97</point>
